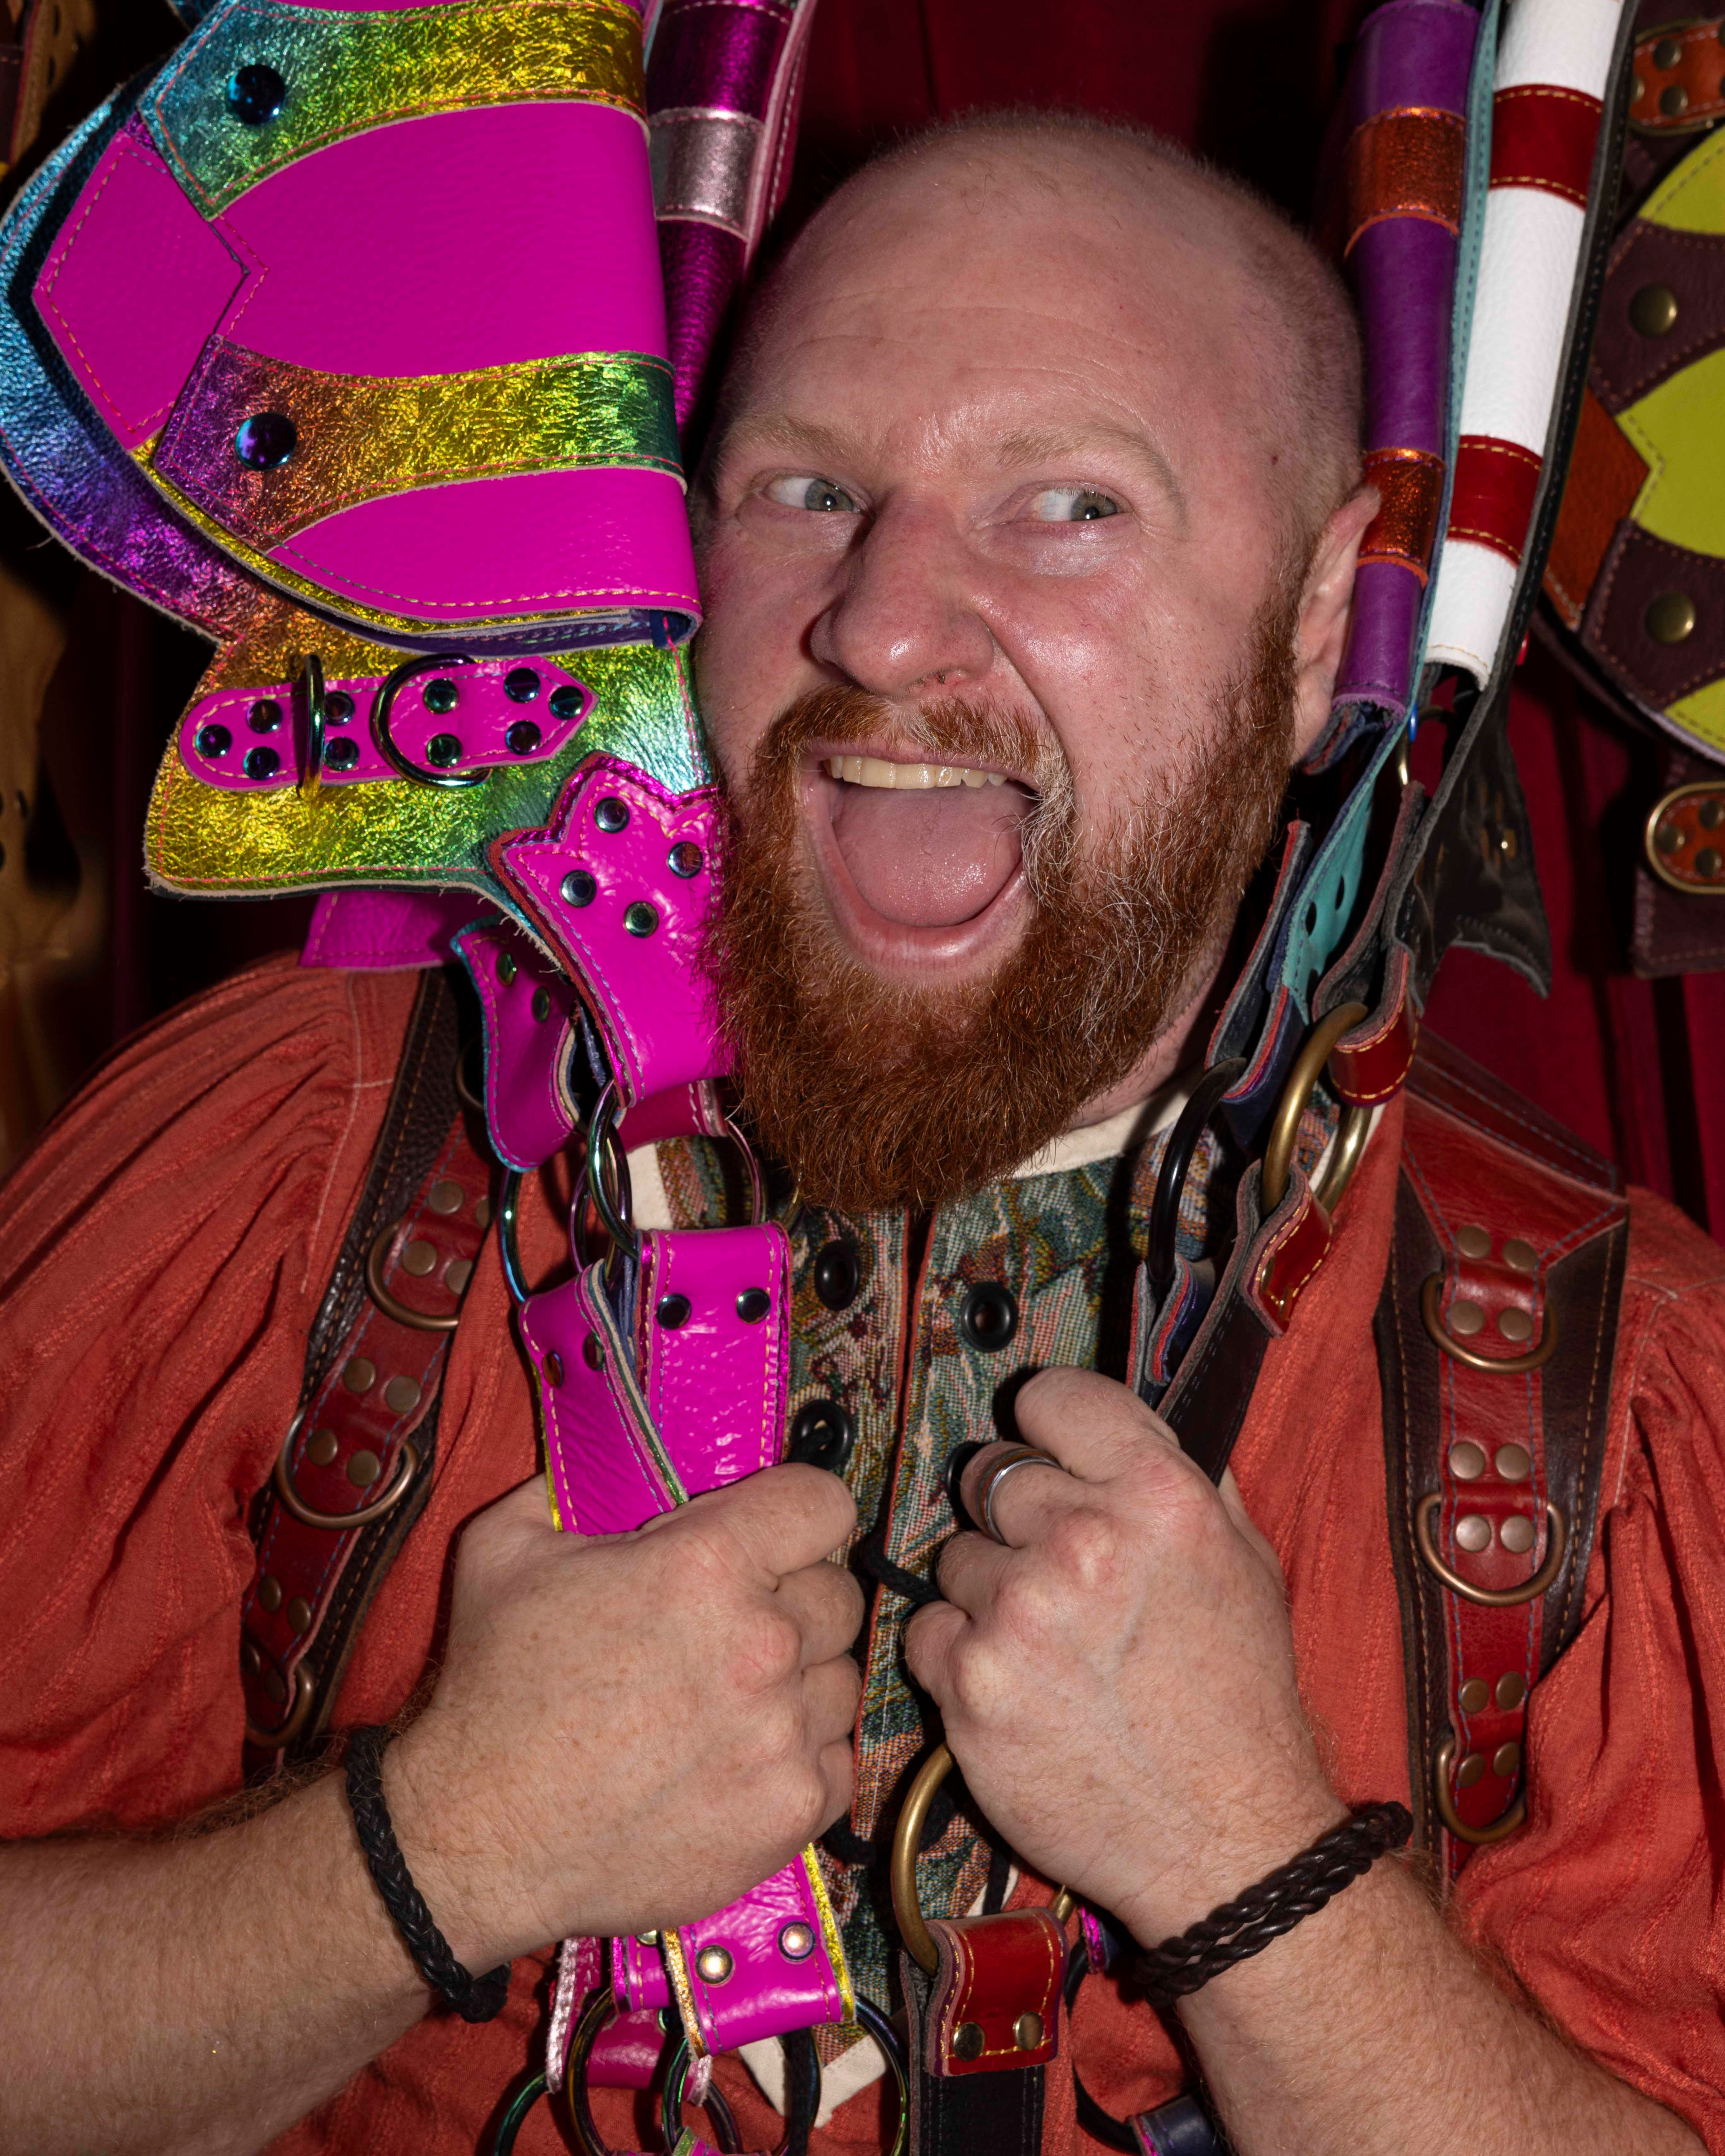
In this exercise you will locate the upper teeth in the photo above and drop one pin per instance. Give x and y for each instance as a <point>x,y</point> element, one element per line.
<point>876,771</point>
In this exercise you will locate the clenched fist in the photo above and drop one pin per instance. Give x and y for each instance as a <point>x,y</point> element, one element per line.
<point>629,1732</point>
<point>1117,1683</point>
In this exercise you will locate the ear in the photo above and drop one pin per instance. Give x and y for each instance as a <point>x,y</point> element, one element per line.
<point>1325,605</point>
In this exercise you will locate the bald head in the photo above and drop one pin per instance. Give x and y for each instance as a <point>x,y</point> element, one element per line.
<point>1241,279</point>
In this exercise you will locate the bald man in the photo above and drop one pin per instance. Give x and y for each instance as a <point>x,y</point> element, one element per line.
<point>1027,531</point>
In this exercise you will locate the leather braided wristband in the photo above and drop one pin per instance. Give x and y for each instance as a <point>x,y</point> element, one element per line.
<point>474,1998</point>
<point>1244,1926</point>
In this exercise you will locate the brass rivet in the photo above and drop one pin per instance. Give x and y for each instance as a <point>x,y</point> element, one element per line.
<point>1473,1532</point>
<point>1515,1325</point>
<point>270,1593</point>
<point>1653,311</point>
<point>640,919</point>
<point>445,1196</point>
<point>1521,1257</point>
<point>1505,1759</point>
<point>1516,1534</point>
<point>320,1450</point>
<point>1466,1460</point>
<point>1466,1319</point>
<point>505,969</point>
<point>1470,1769</point>
<point>1709,861</point>
<point>1027,2031</point>
<point>275,1684</point>
<point>553,1369</point>
<point>1514,1462</point>
<point>1670,618</point>
<point>1510,1691</point>
<point>1667,53</point>
<point>360,1375</point>
<point>250,1661</point>
<point>420,1259</point>
<point>592,1352</point>
<point>482,1214</point>
<point>1474,1695</point>
<point>796,1941</point>
<point>1473,1242</point>
<point>401,1395</point>
<point>297,1613</point>
<point>647,1939</point>
<point>364,1469</point>
<point>968,2040</point>
<point>713,1964</point>
<point>1710,813</point>
<point>1673,101</point>
<point>457,1274</point>
<point>1668,836</point>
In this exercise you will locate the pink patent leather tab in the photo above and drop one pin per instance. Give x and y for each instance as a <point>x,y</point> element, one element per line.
<point>686,1111</point>
<point>607,1473</point>
<point>779,1975</point>
<point>715,1350</point>
<point>529,1011</point>
<point>638,1976</point>
<point>386,932</point>
<point>133,287</point>
<point>489,724</point>
<point>626,2052</point>
<point>619,884</point>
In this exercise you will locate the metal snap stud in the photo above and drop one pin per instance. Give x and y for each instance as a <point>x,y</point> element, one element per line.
<point>340,755</point>
<point>321,1448</point>
<point>1027,2031</point>
<point>506,968</point>
<point>988,1316</point>
<point>441,695</point>
<point>1473,1242</point>
<point>297,1613</point>
<point>270,1593</point>
<point>1671,618</point>
<point>1521,1257</point>
<point>1515,1325</point>
<point>419,1258</point>
<point>443,750</point>
<point>1653,311</point>
<point>592,1352</point>
<point>611,814</point>
<point>541,1005</point>
<point>553,1369</point>
<point>673,1312</point>
<point>1673,101</point>
<point>640,918</point>
<point>265,440</point>
<point>364,1469</point>
<point>214,739</point>
<point>1514,1462</point>
<point>752,1305</point>
<point>256,94</point>
<point>1470,1769</point>
<point>1467,1460</point>
<point>337,708</point>
<point>1473,1532</point>
<point>1510,1691</point>
<point>401,1395</point>
<point>796,1941</point>
<point>264,715</point>
<point>261,762</point>
<point>522,737</point>
<point>360,1374</point>
<point>521,685</point>
<point>1516,1534</point>
<point>713,1964</point>
<point>685,858</point>
<point>968,2040</point>
<point>579,888</point>
<point>565,703</point>
<point>1474,1696</point>
<point>1466,1319</point>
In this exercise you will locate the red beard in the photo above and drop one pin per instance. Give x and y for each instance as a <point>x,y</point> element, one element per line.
<point>875,1093</point>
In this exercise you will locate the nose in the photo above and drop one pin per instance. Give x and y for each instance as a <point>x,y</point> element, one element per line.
<point>908,616</point>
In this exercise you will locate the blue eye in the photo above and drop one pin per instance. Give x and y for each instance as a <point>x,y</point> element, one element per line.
<point>820,496</point>
<point>1072,505</point>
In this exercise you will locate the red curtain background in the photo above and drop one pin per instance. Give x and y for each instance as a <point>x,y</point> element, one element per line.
<point>1636,1067</point>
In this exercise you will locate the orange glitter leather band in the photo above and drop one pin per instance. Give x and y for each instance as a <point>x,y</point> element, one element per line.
<point>1410,491</point>
<point>1405,163</point>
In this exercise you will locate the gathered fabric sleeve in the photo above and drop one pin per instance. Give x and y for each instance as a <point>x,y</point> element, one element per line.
<point>1608,1909</point>
<point>162,1253</point>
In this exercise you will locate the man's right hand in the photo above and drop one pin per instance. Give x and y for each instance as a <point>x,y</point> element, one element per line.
<point>629,1732</point>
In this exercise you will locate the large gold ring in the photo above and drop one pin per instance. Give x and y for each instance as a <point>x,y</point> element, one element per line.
<point>405,1469</point>
<point>418,1320</point>
<point>1285,1126</point>
<point>1503,1828</point>
<point>1505,1366</point>
<point>907,1843</point>
<point>1492,1597</point>
<point>276,1740</point>
<point>1015,1455</point>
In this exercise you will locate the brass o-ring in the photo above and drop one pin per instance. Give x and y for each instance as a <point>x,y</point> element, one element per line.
<point>274,1740</point>
<point>1505,1366</point>
<point>418,1321</point>
<point>1492,1597</point>
<point>1285,1127</point>
<point>1478,1835</point>
<point>406,1468</point>
<point>907,1844</point>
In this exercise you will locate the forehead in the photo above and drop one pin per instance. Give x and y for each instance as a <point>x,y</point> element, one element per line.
<point>964,292</point>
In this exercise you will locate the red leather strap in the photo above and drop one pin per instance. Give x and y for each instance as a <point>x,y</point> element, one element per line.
<point>997,1991</point>
<point>1491,501</point>
<point>1543,137</point>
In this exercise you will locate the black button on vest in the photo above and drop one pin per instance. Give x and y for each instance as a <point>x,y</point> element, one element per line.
<point>988,1316</point>
<point>822,1435</point>
<point>837,1275</point>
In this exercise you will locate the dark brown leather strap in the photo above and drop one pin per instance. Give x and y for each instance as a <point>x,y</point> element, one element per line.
<point>1496,1331</point>
<point>355,1468</point>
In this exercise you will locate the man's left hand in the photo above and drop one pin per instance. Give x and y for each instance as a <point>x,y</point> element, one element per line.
<point>1118,1681</point>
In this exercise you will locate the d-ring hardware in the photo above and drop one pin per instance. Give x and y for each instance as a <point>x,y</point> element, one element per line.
<point>1505,1366</point>
<point>1207,1096</point>
<point>276,1740</point>
<point>869,2018</point>
<point>418,1320</point>
<point>906,1845</point>
<point>1478,1835</point>
<point>383,703</point>
<point>1492,1597</point>
<point>406,1468</point>
<point>312,680</point>
<point>601,2009</point>
<point>615,1210</point>
<point>1284,1128</point>
<point>508,1244</point>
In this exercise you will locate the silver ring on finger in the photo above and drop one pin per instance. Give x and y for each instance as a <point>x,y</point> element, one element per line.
<point>1016,1455</point>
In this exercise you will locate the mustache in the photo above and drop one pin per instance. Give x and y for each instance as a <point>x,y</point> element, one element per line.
<point>947,730</point>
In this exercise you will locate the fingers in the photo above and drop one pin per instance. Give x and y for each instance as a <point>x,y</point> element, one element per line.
<point>930,1638</point>
<point>1093,1427</point>
<point>785,1518</point>
<point>970,1571</point>
<point>826,1604</point>
<point>1021,1504</point>
<point>838,1769</point>
<point>831,1696</point>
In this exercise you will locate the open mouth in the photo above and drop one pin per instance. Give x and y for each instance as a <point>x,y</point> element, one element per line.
<point>921,860</point>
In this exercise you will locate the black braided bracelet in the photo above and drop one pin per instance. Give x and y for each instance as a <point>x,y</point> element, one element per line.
<point>474,1998</point>
<point>1244,1926</point>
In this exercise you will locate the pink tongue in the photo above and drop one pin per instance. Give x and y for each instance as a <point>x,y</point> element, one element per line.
<point>928,859</point>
